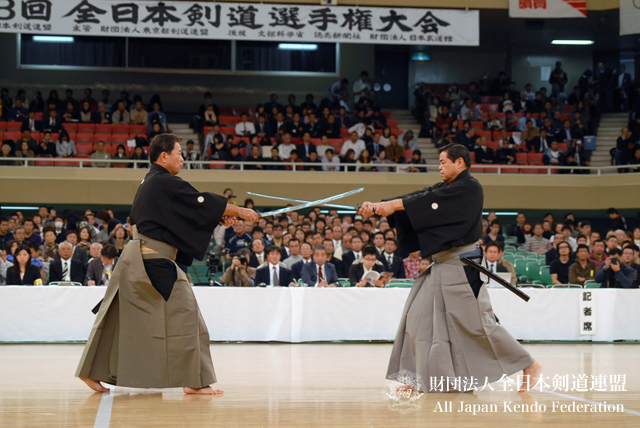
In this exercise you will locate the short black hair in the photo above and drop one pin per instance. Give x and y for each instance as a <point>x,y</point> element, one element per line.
<point>633,246</point>
<point>273,249</point>
<point>612,211</point>
<point>612,252</point>
<point>493,244</point>
<point>163,143</point>
<point>109,251</point>
<point>455,151</point>
<point>369,250</point>
<point>580,246</point>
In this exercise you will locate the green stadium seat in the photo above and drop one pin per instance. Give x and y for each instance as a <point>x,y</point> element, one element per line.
<point>566,286</point>
<point>521,269</point>
<point>406,284</point>
<point>592,284</point>
<point>509,258</point>
<point>533,272</point>
<point>545,276</point>
<point>65,284</point>
<point>345,282</point>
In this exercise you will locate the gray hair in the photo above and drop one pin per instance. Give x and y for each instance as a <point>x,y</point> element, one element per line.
<point>65,242</point>
<point>96,244</point>
<point>319,248</point>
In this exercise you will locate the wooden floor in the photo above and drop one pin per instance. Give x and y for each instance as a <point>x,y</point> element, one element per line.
<point>282,385</point>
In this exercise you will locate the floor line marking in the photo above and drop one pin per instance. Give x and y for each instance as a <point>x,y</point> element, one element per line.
<point>103,418</point>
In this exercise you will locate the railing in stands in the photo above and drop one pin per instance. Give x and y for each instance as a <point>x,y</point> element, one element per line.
<point>299,166</point>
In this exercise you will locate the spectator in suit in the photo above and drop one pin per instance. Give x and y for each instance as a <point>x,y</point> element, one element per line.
<point>484,154</point>
<point>258,256</point>
<point>31,123</point>
<point>306,252</point>
<point>46,148</point>
<point>262,128</point>
<point>66,268</point>
<point>337,263</point>
<point>239,274</point>
<point>319,273</point>
<point>390,260</point>
<point>613,273</point>
<point>354,254</point>
<point>467,139</point>
<point>629,257</point>
<point>122,115</point>
<point>23,272</point>
<point>494,234</point>
<point>79,254</point>
<point>102,116</point>
<point>305,148</point>
<point>368,263</point>
<point>100,268</point>
<point>273,273</point>
<point>492,254</point>
<point>296,127</point>
<point>624,86</point>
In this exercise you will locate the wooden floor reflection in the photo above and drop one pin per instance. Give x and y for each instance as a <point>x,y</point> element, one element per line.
<point>281,385</point>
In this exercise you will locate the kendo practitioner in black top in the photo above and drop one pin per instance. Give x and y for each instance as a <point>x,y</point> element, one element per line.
<point>448,328</point>
<point>149,332</point>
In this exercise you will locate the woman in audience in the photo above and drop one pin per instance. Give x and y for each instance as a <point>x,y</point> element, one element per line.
<point>364,162</point>
<point>525,233</point>
<point>49,248</point>
<point>23,272</point>
<point>84,238</point>
<point>24,152</point>
<point>66,147</point>
<point>156,129</point>
<point>349,157</point>
<point>119,238</point>
<point>54,99</point>
<point>219,150</point>
<point>70,114</point>
<point>416,159</point>
<point>255,156</point>
<point>299,234</point>
<point>248,203</point>
<point>10,249</point>
<point>5,155</point>
<point>86,116</point>
<point>383,161</point>
<point>121,154</point>
<point>259,111</point>
<point>368,136</point>
<point>636,236</point>
<point>384,138</point>
<point>365,236</point>
<point>139,155</point>
<point>37,104</point>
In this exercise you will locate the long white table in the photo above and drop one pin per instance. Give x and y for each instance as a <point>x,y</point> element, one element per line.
<point>55,314</point>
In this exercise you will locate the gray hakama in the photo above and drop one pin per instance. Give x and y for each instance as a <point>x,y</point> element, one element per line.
<point>445,331</point>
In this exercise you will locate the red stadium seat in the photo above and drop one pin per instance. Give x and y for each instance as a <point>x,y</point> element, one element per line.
<point>397,132</point>
<point>494,145</point>
<point>102,137</point>
<point>3,126</point>
<point>44,163</point>
<point>216,165</point>
<point>477,124</point>
<point>85,164</point>
<point>226,130</point>
<point>84,148</point>
<point>120,129</point>
<point>392,123</point>
<point>14,126</point>
<point>104,129</point>
<point>86,127</point>
<point>1,135</point>
<point>229,120</point>
<point>120,138</point>
<point>568,109</point>
<point>36,136</point>
<point>12,135</point>
<point>344,132</point>
<point>563,146</point>
<point>335,142</point>
<point>72,136</point>
<point>39,115</point>
<point>133,129</point>
<point>67,163</point>
<point>521,158</point>
<point>72,127</point>
<point>135,135</point>
<point>386,113</point>
<point>473,157</point>
<point>500,115</point>
<point>509,169</point>
<point>534,158</point>
<point>477,167</point>
<point>316,141</point>
<point>486,134</point>
<point>110,148</point>
<point>564,116</point>
<point>408,154</point>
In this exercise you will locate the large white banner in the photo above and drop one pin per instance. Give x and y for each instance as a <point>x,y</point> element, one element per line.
<point>548,8</point>
<point>241,21</point>
<point>629,17</point>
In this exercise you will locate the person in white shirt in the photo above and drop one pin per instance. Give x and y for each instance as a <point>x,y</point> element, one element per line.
<point>355,144</point>
<point>362,88</point>
<point>286,147</point>
<point>273,273</point>
<point>244,128</point>
<point>322,148</point>
<point>361,127</point>
<point>566,232</point>
<point>330,161</point>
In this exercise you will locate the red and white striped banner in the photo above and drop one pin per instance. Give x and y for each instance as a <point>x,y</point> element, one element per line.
<point>547,9</point>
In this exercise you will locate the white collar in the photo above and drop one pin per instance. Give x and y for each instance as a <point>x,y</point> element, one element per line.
<point>274,266</point>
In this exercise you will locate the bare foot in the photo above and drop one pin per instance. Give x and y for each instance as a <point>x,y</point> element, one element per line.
<point>95,385</point>
<point>207,390</point>
<point>531,376</point>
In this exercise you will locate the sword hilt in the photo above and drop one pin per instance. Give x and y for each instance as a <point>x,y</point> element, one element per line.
<point>360,206</point>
